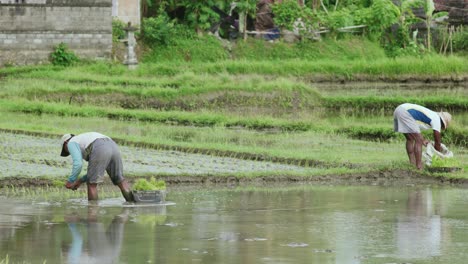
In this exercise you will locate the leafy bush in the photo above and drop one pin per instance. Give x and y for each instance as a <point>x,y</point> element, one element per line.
<point>382,14</point>
<point>338,19</point>
<point>411,50</point>
<point>158,30</point>
<point>460,40</point>
<point>62,56</point>
<point>118,31</point>
<point>199,13</point>
<point>288,12</point>
<point>151,185</point>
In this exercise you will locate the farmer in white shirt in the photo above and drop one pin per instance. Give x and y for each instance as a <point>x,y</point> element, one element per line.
<point>102,155</point>
<point>410,119</point>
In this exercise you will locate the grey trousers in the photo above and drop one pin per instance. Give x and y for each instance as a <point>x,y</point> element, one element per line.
<point>105,157</point>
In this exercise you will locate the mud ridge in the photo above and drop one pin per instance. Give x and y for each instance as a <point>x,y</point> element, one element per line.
<point>396,177</point>
<point>383,177</point>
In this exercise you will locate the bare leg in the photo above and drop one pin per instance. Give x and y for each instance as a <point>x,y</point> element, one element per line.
<point>418,151</point>
<point>92,192</point>
<point>126,191</point>
<point>414,142</point>
<point>410,148</point>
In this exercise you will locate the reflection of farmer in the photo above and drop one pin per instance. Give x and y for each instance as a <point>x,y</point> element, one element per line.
<point>419,230</point>
<point>409,119</point>
<point>103,246</point>
<point>102,155</point>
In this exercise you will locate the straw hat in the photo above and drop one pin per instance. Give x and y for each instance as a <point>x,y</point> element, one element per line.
<point>446,118</point>
<point>64,140</point>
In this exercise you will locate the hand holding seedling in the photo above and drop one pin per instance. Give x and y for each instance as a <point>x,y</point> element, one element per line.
<point>73,185</point>
<point>425,142</point>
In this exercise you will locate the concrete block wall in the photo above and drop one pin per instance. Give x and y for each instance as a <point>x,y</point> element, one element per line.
<point>127,11</point>
<point>29,31</point>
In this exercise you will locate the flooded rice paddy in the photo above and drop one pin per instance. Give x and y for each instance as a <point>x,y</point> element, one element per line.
<point>30,156</point>
<point>295,224</point>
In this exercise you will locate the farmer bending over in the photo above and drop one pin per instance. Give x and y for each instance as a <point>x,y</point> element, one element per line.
<point>409,119</point>
<point>102,155</point>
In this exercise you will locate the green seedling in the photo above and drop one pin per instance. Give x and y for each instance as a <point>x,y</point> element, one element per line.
<point>439,162</point>
<point>151,185</point>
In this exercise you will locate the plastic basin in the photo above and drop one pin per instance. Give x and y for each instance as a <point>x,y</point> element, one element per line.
<point>149,196</point>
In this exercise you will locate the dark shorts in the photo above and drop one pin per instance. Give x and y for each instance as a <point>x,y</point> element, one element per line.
<point>105,157</point>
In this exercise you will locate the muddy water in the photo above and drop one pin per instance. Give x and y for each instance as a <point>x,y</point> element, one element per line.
<point>301,224</point>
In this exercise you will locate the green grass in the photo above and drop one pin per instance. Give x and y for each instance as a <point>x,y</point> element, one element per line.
<point>327,146</point>
<point>347,49</point>
<point>373,103</point>
<point>261,101</point>
<point>431,66</point>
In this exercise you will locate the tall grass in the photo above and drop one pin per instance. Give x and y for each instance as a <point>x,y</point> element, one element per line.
<point>168,88</point>
<point>328,49</point>
<point>431,66</point>
<point>196,49</point>
<point>172,117</point>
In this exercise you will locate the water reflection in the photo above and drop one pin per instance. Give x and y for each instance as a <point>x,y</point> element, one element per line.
<point>419,229</point>
<point>103,243</point>
<point>307,224</point>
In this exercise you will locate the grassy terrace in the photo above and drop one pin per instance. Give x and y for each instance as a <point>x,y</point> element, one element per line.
<point>293,111</point>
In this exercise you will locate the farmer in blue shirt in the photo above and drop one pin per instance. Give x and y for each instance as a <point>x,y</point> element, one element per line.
<point>410,119</point>
<point>102,155</point>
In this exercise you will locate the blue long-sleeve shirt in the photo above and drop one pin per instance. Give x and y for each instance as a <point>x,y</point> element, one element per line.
<point>77,157</point>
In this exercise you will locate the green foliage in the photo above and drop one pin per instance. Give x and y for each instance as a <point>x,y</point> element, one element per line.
<point>338,19</point>
<point>189,49</point>
<point>439,162</point>
<point>286,13</point>
<point>248,6</point>
<point>118,31</point>
<point>151,185</point>
<point>158,30</point>
<point>411,49</point>
<point>383,14</point>
<point>62,56</point>
<point>460,40</point>
<point>199,14</point>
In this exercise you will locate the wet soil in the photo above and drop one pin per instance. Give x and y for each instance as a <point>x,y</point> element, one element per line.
<point>384,177</point>
<point>396,177</point>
